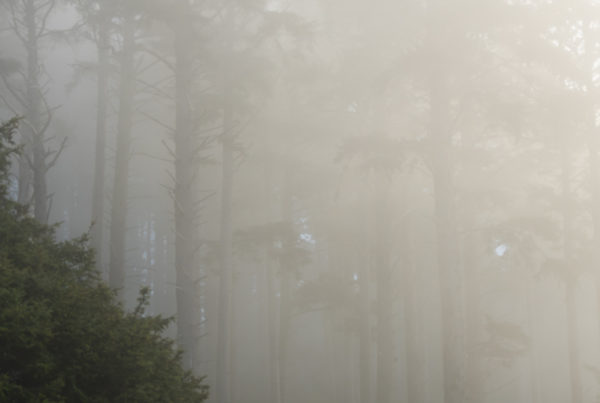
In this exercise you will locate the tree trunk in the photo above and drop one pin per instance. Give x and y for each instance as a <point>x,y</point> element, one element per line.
<point>185,246</point>
<point>450,276</point>
<point>411,316</point>
<point>274,393</point>
<point>224,381</point>
<point>570,281</point>
<point>267,317</point>
<point>364,355</point>
<point>384,297</point>
<point>100,160</point>
<point>594,167</point>
<point>572,334</point>
<point>33,168</point>
<point>474,377</point>
<point>118,222</point>
<point>285,270</point>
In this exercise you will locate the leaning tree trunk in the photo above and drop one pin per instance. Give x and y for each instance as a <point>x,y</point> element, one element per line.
<point>118,222</point>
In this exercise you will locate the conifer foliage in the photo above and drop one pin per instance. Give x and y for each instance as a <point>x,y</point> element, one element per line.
<point>63,336</point>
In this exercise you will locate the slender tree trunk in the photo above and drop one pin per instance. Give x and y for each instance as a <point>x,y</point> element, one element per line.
<point>265,299</point>
<point>185,262</point>
<point>384,298</point>
<point>286,269</point>
<point>33,168</point>
<point>118,222</point>
<point>224,381</point>
<point>274,393</point>
<point>28,131</point>
<point>572,334</point>
<point>533,351</point>
<point>34,95</point>
<point>100,160</point>
<point>594,167</point>
<point>411,321</point>
<point>451,278</point>
<point>331,352</point>
<point>364,355</point>
<point>474,379</point>
<point>161,261</point>
<point>570,281</point>
<point>264,323</point>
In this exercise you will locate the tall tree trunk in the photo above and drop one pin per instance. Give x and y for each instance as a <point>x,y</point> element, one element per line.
<point>534,390</point>
<point>33,168</point>
<point>224,381</point>
<point>267,328</point>
<point>100,160</point>
<point>474,377</point>
<point>364,355</point>
<point>572,335</point>
<point>118,222</point>
<point>384,297</point>
<point>185,262</point>
<point>264,323</point>
<point>411,316</point>
<point>451,279</point>
<point>594,168</point>
<point>570,281</point>
<point>275,382</point>
<point>285,270</point>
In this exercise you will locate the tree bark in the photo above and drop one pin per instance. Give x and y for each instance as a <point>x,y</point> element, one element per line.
<point>570,281</point>
<point>285,270</point>
<point>411,316</point>
<point>118,222</point>
<point>474,378</point>
<point>384,297</point>
<point>97,231</point>
<point>594,169</point>
<point>185,215</point>
<point>33,167</point>
<point>224,381</point>
<point>450,276</point>
<point>364,360</point>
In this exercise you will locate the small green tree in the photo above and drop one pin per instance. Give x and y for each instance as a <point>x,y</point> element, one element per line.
<point>63,335</point>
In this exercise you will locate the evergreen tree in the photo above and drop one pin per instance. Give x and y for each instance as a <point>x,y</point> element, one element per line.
<point>64,337</point>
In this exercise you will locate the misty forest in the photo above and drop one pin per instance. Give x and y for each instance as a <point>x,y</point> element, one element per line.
<point>336,201</point>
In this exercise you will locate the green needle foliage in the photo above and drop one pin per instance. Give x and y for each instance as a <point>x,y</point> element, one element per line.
<point>63,336</point>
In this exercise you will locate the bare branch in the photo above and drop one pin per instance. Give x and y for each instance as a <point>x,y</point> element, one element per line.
<point>169,149</point>
<point>159,57</point>
<point>152,157</point>
<point>158,90</point>
<point>157,121</point>
<point>50,7</point>
<point>12,91</point>
<point>56,154</point>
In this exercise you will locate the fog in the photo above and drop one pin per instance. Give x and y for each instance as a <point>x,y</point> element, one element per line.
<point>339,201</point>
